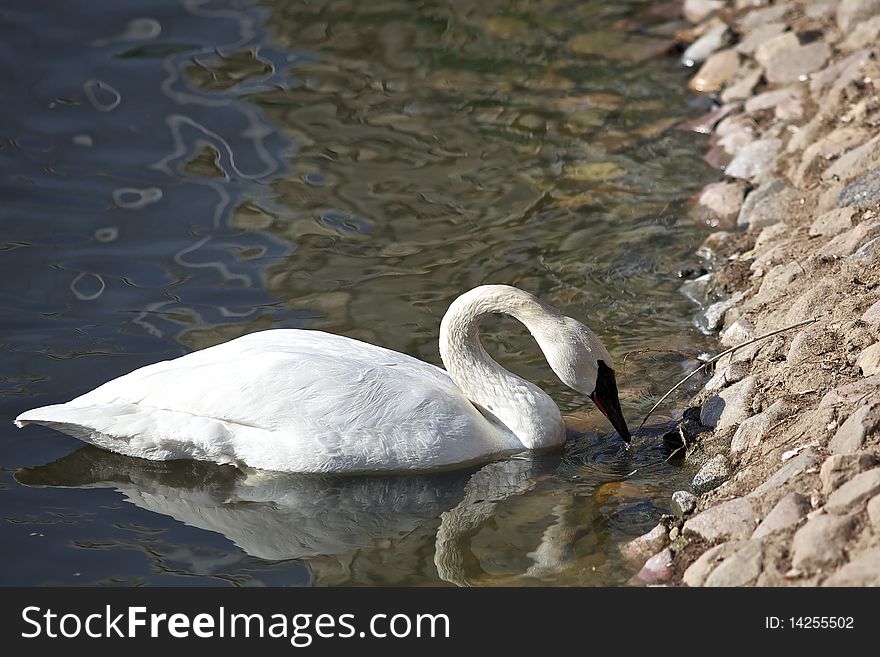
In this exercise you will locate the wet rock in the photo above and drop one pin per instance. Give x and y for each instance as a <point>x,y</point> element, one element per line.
<point>851,12</point>
<point>858,489</point>
<point>734,519</point>
<point>699,570</point>
<point>855,162</point>
<point>862,192</point>
<point>743,84</point>
<point>739,569</point>
<point>719,69</point>
<point>713,316</point>
<point>787,512</point>
<point>706,123</point>
<point>832,222</point>
<point>838,468</point>
<point>817,155</point>
<point>790,469</point>
<point>641,548</point>
<point>752,431</point>
<point>695,290</point>
<point>755,161</point>
<point>872,314</point>
<point>657,569</point>
<point>767,205</point>
<point>730,406</point>
<point>759,35</point>
<point>714,38</point>
<point>874,513</point>
<point>820,542</point>
<point>850,436</point>
<point>865,34</point>
<point>863,570</point>
<point>793,64</point>
<point>846,243</point>
<point>868,361</point>
<point>726,376</point>
<point>722,201</point>
<point>714,473</point>
<point>698,10</point>
<point>683,503</point>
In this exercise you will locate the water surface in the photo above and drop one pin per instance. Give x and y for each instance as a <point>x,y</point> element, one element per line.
<point>175,174</point>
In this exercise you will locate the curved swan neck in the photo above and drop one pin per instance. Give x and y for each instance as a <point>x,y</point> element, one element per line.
<point>522,406</point>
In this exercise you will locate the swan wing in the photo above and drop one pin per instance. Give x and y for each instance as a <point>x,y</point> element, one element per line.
<point>287,400</point>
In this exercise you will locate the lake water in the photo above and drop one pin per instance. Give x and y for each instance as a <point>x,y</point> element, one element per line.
<point>178,173</point>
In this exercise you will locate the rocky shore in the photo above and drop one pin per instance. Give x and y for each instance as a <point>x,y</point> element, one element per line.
<point>785,432</point>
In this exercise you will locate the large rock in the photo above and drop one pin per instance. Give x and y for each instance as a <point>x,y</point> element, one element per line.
<point>730,406</point>
<point>699,570</point>
<point>794,64</point>
<point>739,569</point>
<point>858,489</point>
<point>734,519</point>
<point>863,570</point>
<point>770,48</point>
<point>770,203</point>
<point>820,542</point>
<point>838,468</point>
<point>657,569</point>
<point>639,549</point>
<point>753,430</point>
<point>850,436</point>
<point>713,473</point>
<point>755,161</point>
<point>759,35</point>
<point>851,393</point>
<point>787,512</point>
<point>722,201</point>
<point>789,470</point>
<point>833,222</point>
<point>713,316</point>
<point>851,12</point>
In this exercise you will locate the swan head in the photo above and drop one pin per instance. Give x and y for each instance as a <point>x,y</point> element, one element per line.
<point>582,362</point>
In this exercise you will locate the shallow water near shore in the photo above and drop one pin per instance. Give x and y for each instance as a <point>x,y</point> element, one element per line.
<point>176,174</point>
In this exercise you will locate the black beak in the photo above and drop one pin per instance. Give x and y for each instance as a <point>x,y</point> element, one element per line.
<point>605,397</point>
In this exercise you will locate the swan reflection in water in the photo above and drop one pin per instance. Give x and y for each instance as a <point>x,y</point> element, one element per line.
<point>338,523</point>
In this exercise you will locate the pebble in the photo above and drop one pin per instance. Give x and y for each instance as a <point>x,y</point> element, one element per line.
<point>863,570</point>
<point>820,542</point>
<point>713,316</point>
<point>739,569</point>
<point>698,10</point>
<point>740,331</point>
<point>730,406</point>
<point>683,503</point>
<point>832,222</point>
<point>726,376</point>
<point>755,161</point>
<point>787,512</point>
<point>854,492</point>
<point>872,314</point>
<point>657,569</point>
<point>714,473</point>
<point>850,12</point>
<point>868,361</point>
<point>734,519</point>
<point>723,200</point>
<point>719,69</point>
<point>715,37</point>
<point>768,204</point>
<point>849,438</point>
<point>798,464</point>
<point>862,192</point>
<point>794,64</point>
<point>751,431</point>
<point>641,548</point>
<point>837,468</point>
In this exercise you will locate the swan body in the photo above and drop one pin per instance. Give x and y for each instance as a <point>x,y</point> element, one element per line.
<point>293,400</point>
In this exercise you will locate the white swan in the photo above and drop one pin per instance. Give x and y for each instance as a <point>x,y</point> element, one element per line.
<point>294,400</point>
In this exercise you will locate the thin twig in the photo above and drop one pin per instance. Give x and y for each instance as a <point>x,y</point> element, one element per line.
<point>721,355</point>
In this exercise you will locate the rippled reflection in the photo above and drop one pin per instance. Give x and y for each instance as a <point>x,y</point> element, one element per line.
<point>178,173</point>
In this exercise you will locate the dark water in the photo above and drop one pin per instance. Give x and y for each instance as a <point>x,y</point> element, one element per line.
<point>178,173</point>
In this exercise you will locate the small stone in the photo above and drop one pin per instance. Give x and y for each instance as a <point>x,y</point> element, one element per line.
<point>817,155</point>
<point>714,473</point>
<point>713,316</point>
<point>855,162</point>
<point>759,35</point>
<point>752,431</point>
<point>715,37</point>
<point>698,10</point>
<point>695,290</point>
<point>787,512</point>
<point>854,492</point>
<point>820,542</point>
<point>863,570</point>
<point>862,192</point>
<point>742,330</point>
<point>757,17</point>
<point>838,468</point>
<point>641,548</point>
<point>674,533</point>
<point>683,503</point>
<point>851,435</point>
<point>726,376</point>
<point>793,467</point>
<point>869,360</point>
<point>832,222</point>
<point>846,243</point>
<point>734,519</point>
<point>734,133</point>
<point>739,569</point>
<point>699,570</point>
<point>772,233</point>
<point>755,161</point>
<point>743,84</point>
<point>874,513</point>
<point>767,205</point>
<point>793,64</point>
<point>872,314</point>
<point>719,69</point>
<point>768,49</point>
<point>730,406</point>
<point>850,12</point>
<point>657,569</point>
<point>722,201</point>
<point>851,393</point>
